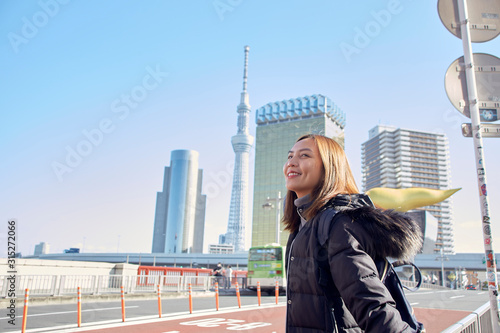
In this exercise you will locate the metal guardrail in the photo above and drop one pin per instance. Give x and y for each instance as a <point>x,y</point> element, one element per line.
<point>479,321</point>
<point>412,284</point>
<point>59,285</point>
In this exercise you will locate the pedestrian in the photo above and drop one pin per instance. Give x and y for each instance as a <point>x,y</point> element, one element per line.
<point>217,272</point>
<point>321,186</point>
<point>229,276</point>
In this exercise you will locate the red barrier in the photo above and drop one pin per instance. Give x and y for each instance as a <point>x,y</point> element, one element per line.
<point>153,271</point>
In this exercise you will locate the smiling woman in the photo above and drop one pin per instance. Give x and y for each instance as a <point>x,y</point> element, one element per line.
<point>326,173</point>
<point>337,238</point>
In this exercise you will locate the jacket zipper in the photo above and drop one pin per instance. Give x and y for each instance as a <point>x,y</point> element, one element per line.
<point>288,270</point>
<point>287,279</point>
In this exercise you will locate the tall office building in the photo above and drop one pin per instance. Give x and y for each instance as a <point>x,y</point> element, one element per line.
<point>242,143</point>
<point>180,208</point>
<point>279,125</point>
<point>401,158</point>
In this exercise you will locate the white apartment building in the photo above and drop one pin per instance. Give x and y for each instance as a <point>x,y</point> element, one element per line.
<point>402,158</point>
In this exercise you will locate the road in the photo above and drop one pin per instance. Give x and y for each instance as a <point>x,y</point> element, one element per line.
<point>437,309</point>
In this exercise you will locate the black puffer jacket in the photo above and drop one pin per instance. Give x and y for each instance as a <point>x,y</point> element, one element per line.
<point>348,242</point>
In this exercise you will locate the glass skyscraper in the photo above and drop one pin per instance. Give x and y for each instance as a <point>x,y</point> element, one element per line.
<point>279,125</point>
<point>180,208</point>
<point>402,158</point>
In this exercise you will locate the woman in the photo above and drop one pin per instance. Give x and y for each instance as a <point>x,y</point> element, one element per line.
<point>333,226</point>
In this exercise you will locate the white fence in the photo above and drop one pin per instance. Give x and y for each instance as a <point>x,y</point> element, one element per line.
<point>412,284</point>
<point>58,285</point>
<point>478,321</point>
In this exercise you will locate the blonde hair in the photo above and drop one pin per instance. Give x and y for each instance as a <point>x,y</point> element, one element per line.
<point>337,179</point>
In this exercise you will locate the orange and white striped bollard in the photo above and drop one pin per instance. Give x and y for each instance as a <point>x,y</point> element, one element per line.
<point>123,304</point>
<point>25,310</point>
<point>190,298</point>
<point>217,296</point>
<point>159,301</point>
<point>238,295</point>
<point>258,292</point>
<point>79,307</point>
<point>277,291</point>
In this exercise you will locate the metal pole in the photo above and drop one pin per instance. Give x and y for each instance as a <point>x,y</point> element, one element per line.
<point>278,208</point>
<point>491,270</point>
<point>443,283</point>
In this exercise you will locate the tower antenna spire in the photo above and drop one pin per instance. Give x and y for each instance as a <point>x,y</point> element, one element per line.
<point>242,143</point>
<point>245,71</point>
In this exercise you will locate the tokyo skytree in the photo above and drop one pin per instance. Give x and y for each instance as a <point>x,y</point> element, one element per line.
<point>242,143</point>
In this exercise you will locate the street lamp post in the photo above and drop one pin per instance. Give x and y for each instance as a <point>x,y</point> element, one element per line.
<point>275,203</point>
<point>443,259</point>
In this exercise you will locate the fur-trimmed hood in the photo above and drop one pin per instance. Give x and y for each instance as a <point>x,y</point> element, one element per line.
<point>395,235</point>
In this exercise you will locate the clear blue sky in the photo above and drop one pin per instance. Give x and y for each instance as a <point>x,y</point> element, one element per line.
<point>69,67</point>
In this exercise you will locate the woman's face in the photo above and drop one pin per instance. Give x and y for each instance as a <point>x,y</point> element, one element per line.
<point>304,168</point>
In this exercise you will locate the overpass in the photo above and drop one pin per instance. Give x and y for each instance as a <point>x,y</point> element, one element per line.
<point>192,260</point>
<point>468,261</point>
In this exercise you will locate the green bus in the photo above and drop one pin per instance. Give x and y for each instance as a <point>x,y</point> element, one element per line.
<point>266,264</point>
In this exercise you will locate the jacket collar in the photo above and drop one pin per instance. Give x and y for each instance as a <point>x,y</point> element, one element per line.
<point>350,201</point>
<point>394,234</point>
<point>302,204</point>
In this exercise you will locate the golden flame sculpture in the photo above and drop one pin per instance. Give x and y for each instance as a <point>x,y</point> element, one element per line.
<point>406,199</point>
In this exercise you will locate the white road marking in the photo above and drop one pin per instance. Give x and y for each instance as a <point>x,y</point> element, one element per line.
<point>459,296</point>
